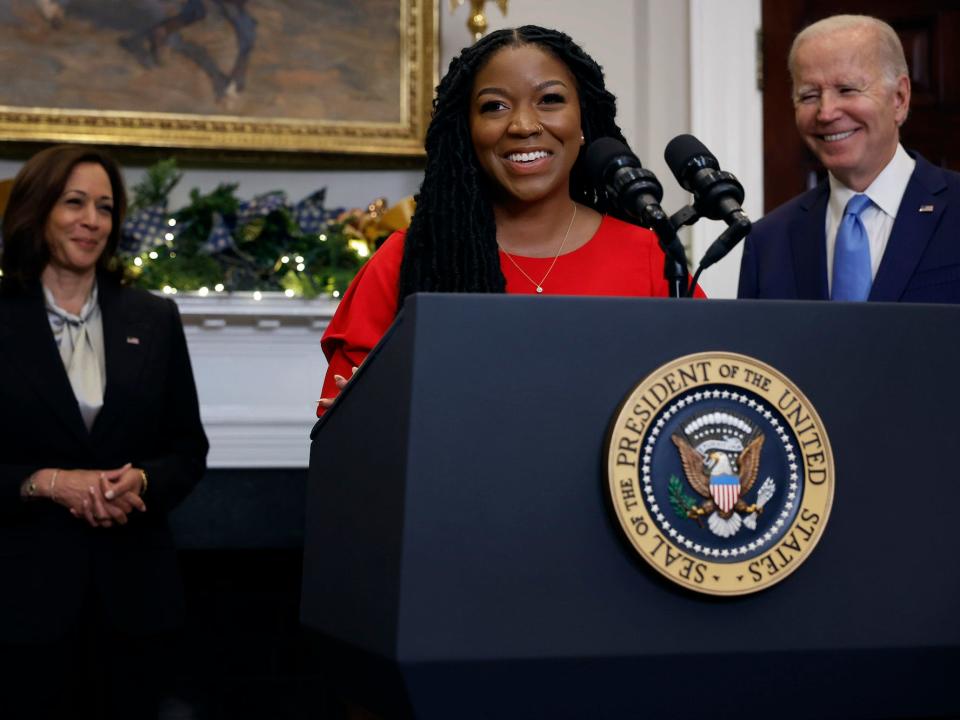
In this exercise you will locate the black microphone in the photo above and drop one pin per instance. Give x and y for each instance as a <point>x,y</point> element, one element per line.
<point>717,194</point>
<point>629,186</point>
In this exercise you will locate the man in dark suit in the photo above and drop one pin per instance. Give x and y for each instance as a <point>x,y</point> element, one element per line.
<point>885,225</point>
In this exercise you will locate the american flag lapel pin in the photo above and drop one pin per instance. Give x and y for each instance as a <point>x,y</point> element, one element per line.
<point>926,208</point>
<point>131,340</point>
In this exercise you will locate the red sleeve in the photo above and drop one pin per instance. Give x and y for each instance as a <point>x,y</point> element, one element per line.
<point>366,311</point>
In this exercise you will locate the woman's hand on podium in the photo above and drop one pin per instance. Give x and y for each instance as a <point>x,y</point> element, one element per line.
<point>341,382</point>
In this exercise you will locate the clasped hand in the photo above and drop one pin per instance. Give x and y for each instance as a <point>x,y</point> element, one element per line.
<point>101,497</point>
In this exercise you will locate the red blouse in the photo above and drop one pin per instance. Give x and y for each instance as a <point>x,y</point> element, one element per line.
<point>620,259</point>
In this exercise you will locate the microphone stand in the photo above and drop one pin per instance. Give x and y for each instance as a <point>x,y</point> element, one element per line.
<point>641,194</point>
<point>718,249</point>
<point>674,257</point>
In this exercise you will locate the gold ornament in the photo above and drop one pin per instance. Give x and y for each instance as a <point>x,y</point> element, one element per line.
<point>477,22</point>
<point>376,221</point>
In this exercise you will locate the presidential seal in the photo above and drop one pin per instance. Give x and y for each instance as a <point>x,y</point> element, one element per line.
<point>720,473</point>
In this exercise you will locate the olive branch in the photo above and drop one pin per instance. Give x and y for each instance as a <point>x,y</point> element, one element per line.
<point>681,503</point>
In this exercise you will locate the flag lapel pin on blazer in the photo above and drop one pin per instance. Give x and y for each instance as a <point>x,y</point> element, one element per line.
<point>926,208</point>
<point>131,340</point>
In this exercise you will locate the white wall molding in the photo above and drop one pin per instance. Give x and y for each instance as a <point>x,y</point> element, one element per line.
<point>726,114</point>
<point>259,370</point>
<point>662,95</point>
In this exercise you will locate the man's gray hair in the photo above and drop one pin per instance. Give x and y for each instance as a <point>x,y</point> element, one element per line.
<point>888,47</point>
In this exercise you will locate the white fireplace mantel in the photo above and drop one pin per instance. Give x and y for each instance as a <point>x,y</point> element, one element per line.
<point>259,370</point>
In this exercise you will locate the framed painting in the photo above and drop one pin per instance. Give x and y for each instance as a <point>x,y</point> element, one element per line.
<point>288,76</point>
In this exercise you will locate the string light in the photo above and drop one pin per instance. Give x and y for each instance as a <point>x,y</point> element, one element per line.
<point>203,292</point>
<point>323,238</point>
<point>289,293</point>
<point>336,293</point>
<point>168,237</point>
<point>285,259</point>
<point>218,287</point>
<point>153,255</point>
<point>301,267</point>
<point>257,295</point>
<point>299,259</point>
<point>138,261</point>
<point>360,247</point>
<point>171,222</point>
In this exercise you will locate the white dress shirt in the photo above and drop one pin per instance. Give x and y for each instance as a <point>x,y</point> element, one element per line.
<point>886,192</point>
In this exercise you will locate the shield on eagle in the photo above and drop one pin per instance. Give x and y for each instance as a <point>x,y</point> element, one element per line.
<point>725,491</point>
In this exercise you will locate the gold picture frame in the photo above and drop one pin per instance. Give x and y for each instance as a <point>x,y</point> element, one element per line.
<point>373,90</point>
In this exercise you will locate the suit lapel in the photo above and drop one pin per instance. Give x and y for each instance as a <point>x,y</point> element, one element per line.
<point>33,349</point>
<point>808,242</point>
<point>126,341</point>
<point>911,231</point>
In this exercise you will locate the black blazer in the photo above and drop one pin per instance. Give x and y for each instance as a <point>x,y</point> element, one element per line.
<point>49,560</point>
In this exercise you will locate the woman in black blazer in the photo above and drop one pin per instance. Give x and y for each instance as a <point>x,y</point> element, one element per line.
<point>101,437</point>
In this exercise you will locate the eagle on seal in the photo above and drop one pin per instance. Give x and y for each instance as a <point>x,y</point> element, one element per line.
<point>714,479</point>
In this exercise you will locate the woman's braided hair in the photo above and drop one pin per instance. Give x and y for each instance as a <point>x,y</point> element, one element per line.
<point>451,244</point>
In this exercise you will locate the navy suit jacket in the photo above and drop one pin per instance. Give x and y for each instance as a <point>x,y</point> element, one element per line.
<point>785,255</point>
<point>53,563</point>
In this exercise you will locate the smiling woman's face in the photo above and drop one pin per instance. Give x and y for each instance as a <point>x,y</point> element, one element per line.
<point>525,124</point>
<point>79,224</point>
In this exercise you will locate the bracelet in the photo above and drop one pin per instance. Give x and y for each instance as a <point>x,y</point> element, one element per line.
<point>28,490</point>
<point>53,484</point>
<point>143,482</point>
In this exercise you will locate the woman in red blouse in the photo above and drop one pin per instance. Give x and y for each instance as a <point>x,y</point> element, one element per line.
<point>505,204</point>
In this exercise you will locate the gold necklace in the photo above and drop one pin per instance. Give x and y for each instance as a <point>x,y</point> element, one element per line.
<point>539,285</point>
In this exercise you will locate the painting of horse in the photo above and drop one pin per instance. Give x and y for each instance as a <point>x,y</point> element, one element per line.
<point>253,74</point>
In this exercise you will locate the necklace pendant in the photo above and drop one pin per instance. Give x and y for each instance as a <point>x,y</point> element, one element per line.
<point>539,289</point>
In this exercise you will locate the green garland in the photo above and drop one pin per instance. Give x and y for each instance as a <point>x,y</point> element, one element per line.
<point>267,253</point>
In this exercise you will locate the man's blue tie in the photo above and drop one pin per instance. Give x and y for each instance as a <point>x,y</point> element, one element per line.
<point>852,277</point>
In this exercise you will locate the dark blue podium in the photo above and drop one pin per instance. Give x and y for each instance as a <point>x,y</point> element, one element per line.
<point>460,549</point>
